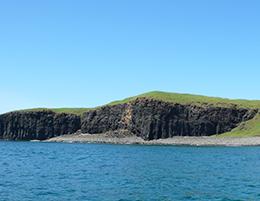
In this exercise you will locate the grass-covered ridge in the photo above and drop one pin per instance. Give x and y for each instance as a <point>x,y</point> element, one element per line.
<point>168,97</point>
<point>77,111</point>
<point>194,99</point>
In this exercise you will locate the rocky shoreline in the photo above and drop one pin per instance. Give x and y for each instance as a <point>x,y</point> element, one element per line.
<point>184,141</point>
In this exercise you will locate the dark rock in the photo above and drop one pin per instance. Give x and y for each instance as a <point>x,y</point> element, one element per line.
<point>105,119</point>
<point>37,125</point>
<point>153,119</point>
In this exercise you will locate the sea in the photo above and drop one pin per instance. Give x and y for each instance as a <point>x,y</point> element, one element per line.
<point>37,171</point>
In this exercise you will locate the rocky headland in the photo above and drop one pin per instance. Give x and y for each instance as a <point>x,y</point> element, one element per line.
<point>143,119</point>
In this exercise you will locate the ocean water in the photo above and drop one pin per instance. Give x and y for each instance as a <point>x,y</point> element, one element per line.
<point>98,172</point>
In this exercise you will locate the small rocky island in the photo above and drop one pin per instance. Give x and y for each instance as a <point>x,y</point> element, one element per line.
<point>151,116</point>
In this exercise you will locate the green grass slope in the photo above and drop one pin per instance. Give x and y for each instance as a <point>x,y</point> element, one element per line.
<point>197,100</point>
<point>249,128</point>
<point>77,111</point>
<point>194,99</point>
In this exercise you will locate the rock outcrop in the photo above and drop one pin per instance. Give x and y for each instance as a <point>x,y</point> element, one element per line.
<point>146,118</point>
<point>153,119</point>
<point>37,125</point>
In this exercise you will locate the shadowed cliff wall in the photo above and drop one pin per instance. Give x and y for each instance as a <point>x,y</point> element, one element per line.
<point>152,119</point>
<point>37,125</point>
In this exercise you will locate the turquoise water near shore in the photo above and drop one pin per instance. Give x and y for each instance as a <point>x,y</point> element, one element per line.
<point>99,172</point>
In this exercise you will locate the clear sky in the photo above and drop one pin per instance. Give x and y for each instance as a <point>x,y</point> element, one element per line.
<point>84,53</point>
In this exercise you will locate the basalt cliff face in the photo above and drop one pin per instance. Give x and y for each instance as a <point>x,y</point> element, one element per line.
<point>146,118</point>
<point>153,119</point>
<point>37,125</point>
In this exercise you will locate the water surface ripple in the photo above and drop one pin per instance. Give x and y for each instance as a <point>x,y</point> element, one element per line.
<point>97,172</point>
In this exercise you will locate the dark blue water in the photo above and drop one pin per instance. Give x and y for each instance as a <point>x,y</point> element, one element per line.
<point>92,172</point>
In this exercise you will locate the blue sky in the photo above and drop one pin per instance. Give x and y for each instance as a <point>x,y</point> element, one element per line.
<point>59,53</point>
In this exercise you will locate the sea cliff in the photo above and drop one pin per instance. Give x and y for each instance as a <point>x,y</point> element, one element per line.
<point>37,125</point>
<point>145,117</point>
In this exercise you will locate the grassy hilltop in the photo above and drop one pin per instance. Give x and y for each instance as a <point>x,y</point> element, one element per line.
<point>77,111</point>
<point>194,99</point>
<point>249,128</point>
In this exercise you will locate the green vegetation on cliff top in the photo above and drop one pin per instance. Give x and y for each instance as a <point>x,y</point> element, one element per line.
<point>77,111</point>
<point>168,97</point>
<point>194,100</point>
